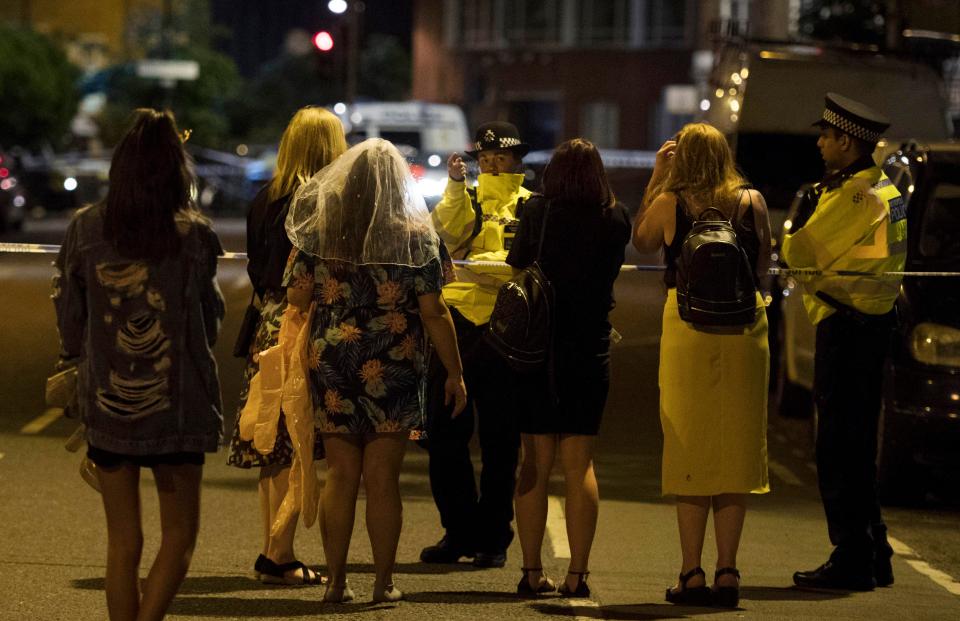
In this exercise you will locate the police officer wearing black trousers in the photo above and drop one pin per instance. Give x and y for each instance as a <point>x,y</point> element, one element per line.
<point>478,223</point>
<point>858,225</point>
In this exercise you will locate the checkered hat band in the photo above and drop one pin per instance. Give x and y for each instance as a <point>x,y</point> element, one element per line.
<point>849,127</point>
<point>505,143</point>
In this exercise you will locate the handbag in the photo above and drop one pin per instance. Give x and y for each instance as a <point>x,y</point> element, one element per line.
<point>248,329</point>
<point>61,391</point>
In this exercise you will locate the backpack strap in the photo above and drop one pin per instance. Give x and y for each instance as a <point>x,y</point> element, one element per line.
<point>543,228</point>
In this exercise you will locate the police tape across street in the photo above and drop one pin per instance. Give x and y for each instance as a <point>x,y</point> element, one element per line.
<point>13,248</point>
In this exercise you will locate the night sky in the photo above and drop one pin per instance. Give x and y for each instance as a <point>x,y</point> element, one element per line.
<point>259,27</point>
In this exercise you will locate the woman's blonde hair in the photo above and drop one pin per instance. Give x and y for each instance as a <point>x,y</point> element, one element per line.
<point>703,170</point>
<point>313,138</point>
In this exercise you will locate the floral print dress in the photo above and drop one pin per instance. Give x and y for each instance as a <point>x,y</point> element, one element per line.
<point>367,347</point>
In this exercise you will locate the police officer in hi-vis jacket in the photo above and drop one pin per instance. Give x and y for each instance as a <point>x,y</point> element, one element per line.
<point>478,224</point>
<point>859,225</point>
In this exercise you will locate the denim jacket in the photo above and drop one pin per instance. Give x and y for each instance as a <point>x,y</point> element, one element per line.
<point>142,333</point>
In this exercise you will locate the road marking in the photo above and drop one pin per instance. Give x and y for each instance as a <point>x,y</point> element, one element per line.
<point>557,528</point>
<point>577,602</point>
<point>784,474</point>
<point>921,566</point>
<point>42,422</point>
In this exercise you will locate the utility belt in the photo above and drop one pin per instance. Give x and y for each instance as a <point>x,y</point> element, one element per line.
<point>879,323</point>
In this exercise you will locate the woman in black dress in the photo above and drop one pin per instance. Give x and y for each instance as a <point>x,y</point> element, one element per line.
<point>583,249</point>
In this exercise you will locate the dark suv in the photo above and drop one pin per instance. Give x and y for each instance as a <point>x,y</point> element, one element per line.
<point>921,405</point>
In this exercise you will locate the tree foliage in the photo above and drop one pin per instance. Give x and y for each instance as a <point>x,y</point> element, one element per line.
<point>39,90</point>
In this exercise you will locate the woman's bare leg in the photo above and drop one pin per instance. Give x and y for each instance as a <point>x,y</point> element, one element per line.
<point>692,514</point>
<point>729,511</point>
<point>178,488</point>
<point>344,466</point>
<point>582,503</point>
<point>382,459</point>
<point>537,459</point>
<point>120,492</point>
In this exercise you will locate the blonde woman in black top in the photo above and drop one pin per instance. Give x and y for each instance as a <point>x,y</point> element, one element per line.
<point>713,382</point>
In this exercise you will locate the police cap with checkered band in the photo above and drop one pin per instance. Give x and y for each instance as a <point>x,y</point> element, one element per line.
<point>852,117</point>
<point>498,135</point>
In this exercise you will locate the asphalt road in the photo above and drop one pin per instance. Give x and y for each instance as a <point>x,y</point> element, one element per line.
<point>52,532</point>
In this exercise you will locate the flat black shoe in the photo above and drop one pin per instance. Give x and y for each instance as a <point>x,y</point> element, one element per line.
<point>525,590</point>
<point>446,551</point>
<point>690,596</point>
<point>490,559</point>
<point>726,596</point>
<point>581,591</point>
<point>831,576</point>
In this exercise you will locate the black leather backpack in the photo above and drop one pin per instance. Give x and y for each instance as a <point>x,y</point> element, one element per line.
<point>522,322</point>
<point>715,282</point>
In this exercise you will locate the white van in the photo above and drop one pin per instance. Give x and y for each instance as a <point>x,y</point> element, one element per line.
<point>426,134</point>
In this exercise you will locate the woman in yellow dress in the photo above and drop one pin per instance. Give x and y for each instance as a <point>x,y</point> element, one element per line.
<point>713,381</point>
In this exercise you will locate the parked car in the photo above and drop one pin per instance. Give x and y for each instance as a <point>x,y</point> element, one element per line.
<point>920,424</point>
<point>12,195</point>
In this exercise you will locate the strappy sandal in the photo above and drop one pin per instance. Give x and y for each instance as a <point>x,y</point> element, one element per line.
<point>525,590</point>
<point>692,596</point>
<point>581,590</point>
<point>274,573</point>
<point>726,596</point>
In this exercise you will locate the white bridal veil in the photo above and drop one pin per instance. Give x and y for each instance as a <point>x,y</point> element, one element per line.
<point>364,208</point>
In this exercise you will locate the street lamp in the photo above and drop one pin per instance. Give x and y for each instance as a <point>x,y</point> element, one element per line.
<point>337,6</point>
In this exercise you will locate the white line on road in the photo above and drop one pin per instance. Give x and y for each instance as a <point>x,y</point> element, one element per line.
<point>784,474</point>
<point>42,422</point>
<point>913,560</point>
<point>557,528</point>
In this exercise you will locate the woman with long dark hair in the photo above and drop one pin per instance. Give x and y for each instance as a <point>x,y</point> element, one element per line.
<point>313,138</point>
<point>138,310</point>
<point>584,234</point>
<point>713,382</point>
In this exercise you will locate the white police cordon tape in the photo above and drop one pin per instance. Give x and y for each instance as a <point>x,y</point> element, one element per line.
<point>773,271</point>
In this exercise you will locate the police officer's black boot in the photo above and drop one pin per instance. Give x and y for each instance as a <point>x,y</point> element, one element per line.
<point>446,551</point>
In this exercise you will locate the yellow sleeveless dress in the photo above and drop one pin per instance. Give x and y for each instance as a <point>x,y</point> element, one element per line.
<point>713,406</point>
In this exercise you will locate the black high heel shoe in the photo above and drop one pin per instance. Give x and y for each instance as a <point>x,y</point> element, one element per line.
<point>690,596</point>
<point>581,590</point>
<point>525,590</point>
<point>726,597</point>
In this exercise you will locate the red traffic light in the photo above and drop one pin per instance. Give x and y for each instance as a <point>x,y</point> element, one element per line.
<point>323,41</point>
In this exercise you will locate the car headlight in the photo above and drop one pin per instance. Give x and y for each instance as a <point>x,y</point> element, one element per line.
<point>933,343</point>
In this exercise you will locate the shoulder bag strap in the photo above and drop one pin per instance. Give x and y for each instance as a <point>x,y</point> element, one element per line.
<point>543,228</point>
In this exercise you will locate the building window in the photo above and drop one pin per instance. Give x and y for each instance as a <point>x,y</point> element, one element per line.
<point>600,124</point>
<point>533,21</point>
<point>666,21</point>
<point>604,22</point>
<point>479,22</point>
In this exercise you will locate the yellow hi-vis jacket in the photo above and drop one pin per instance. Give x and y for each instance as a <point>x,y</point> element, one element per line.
<point>859,226</point>
<point>475,290</point>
